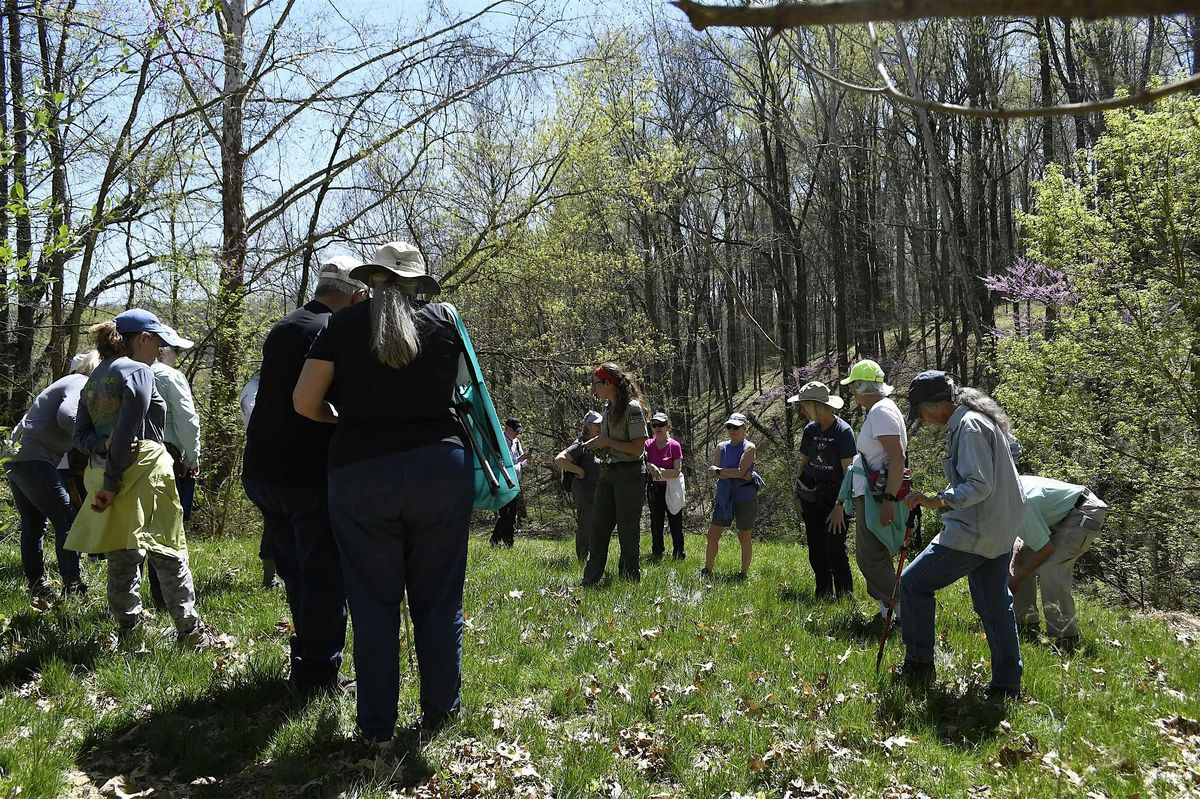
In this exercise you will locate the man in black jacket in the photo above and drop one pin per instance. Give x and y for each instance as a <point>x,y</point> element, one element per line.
<point>284,473</point>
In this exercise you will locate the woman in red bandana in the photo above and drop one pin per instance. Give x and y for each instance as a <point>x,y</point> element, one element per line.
<point>621,490</point>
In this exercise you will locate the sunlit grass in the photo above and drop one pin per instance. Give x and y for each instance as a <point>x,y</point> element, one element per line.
<point>671,687</point>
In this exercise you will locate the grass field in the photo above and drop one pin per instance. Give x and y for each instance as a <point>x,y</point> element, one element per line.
<point>671,687</point>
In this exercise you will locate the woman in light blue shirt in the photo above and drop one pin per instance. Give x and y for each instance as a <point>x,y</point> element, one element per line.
<point>1061,522</point>
<point>982,509</point>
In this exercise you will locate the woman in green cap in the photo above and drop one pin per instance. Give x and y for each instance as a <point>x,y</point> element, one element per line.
<point>882,442</point>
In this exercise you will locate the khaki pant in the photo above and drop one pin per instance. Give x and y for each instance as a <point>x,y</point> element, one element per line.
<point>874,560</point>
<point>1055,576</point>
<point>124,587</point>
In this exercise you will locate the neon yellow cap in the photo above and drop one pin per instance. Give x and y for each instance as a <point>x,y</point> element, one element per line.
<point>866,370</point>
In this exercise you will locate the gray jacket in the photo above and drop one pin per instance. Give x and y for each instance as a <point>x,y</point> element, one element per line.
<point>44,432</point>
<point>986,504</point>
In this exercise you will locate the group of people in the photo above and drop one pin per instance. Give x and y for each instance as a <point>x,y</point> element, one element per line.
<point>373,503</point>
<point>620,463</point>
<point>1006,533</point>
<point>108,456</point>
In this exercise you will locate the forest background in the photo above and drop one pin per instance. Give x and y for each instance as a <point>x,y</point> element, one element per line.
<point>592,184</point>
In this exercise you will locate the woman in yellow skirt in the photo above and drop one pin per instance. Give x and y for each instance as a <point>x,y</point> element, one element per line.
<point>133,511</point>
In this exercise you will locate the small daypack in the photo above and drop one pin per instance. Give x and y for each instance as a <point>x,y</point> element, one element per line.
<point>496,482</point>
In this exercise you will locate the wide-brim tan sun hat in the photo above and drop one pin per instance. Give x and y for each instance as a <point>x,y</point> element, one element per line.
<point>402,260</point>
<point>816,391</point>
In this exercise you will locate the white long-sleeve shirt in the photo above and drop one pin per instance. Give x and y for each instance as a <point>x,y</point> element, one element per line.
<point>182,423</point>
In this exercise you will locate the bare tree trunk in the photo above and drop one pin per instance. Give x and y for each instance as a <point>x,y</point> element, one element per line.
<point>22,372</point>
<point>223,429</point>
<point>6,364</point>
<point>60,199</point>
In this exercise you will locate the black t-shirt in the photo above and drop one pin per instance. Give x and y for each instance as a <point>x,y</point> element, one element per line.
<point>382,410</point>
<point>825,450</point>
<point>283,447</point>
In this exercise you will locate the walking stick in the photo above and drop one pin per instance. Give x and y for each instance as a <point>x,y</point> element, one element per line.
<point>914,518</point>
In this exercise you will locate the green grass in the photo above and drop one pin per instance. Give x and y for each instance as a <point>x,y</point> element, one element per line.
<point>671,687</point>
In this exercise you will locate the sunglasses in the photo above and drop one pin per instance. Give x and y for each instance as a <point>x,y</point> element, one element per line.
<point>658,424</point>
<point>733,427</point>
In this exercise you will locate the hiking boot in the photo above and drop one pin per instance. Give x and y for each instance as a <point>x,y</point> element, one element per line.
<point>199,638</point>
<point>336,686</point>
<point>917,675</point>
<point>1067,643</point>
<point>655,557</point>
<point>1029,632</point>
<point>706,574</point>
<point>995,691</point>
<point>268,580</point>
<point>128,638</point>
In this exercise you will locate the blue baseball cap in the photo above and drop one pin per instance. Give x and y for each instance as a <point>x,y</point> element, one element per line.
<point>138,320</point>
<point>930,386</point>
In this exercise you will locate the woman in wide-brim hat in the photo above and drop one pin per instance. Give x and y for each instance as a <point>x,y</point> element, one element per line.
<point>400,482</point>
<point>826,451</point>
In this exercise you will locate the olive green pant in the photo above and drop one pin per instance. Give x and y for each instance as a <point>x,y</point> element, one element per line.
<point>620,495</point>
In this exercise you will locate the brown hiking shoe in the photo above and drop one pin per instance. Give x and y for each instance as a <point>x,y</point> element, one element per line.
<point>202,637</point>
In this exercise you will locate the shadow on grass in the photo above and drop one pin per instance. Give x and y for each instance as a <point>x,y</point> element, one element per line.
<point>215,744</point>
<point>63,634</point>
<point>962,720</point>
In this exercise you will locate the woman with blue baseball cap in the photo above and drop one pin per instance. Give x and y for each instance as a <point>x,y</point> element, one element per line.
<point>134,511</point>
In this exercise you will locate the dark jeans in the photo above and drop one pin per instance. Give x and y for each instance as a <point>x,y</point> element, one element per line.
<point>657,495</point>
<point>506,523</point>
<point>826,551</point>
<point>401,522</point>
<point>40,496</point>
<point>620,494</point>
<point>296,525</point>
<point>584,503</point>
<point>939,566</point>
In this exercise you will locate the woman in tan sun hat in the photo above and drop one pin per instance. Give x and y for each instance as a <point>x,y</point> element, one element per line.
<point>826,451</point>
<point>400,481</point>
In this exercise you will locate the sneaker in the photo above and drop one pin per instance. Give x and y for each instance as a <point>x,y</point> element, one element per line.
<point>200,637</point>
<point>706,574</point>
<point>742,577</point>
<point>75,588</point>
<point>42,589</point>
<point>655,557</point>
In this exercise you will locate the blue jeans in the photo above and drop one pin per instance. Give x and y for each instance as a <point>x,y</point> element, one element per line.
<point>938,567</point>
<point>401,523</point>
<point>40,496</point>
<point>296,526</point>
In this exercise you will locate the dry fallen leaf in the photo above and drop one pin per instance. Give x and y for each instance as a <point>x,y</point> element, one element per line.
<point>898,742</point>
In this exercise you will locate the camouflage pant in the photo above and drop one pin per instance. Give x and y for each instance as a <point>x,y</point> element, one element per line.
<point>124,587</point>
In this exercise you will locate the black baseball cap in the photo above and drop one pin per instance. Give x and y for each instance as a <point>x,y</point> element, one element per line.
<point>929,386</point>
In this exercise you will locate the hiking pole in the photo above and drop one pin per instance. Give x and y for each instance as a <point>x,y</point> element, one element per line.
<point>913,517</point>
